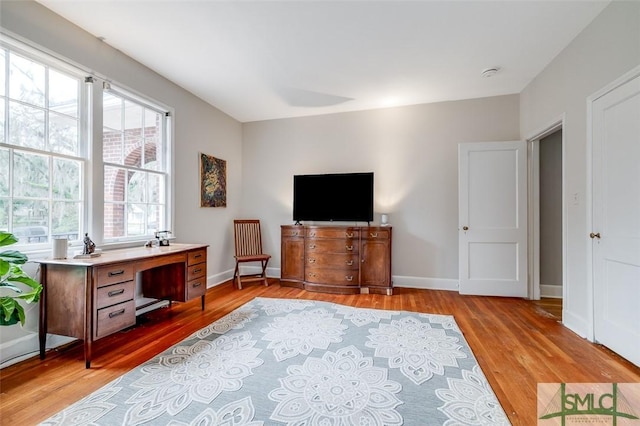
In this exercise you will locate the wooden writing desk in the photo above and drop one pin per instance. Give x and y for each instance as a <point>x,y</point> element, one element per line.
<point>92,298</point>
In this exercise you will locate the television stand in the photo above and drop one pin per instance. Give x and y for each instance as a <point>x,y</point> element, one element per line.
<point>337,259</point>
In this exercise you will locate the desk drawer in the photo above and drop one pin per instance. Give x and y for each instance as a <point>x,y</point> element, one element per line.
<point>332,277</point>
<point>115,318</point>
<point>197,256</point>
<point>114,294</point>
<point>112,274</point>
<point>196,288</point>
<point>196,271</point>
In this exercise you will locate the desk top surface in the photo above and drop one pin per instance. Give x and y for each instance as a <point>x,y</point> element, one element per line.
<point>123,255</point>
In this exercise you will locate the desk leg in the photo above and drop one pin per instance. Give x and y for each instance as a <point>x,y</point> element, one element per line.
<point>202,302</point>
<point>88,319</point>
<point>42,331</point>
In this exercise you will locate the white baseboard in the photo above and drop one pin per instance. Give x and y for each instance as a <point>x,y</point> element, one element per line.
<point>575,323</point>
<point>551,291</point>
<point>26,347</point>
<point>426,283</point>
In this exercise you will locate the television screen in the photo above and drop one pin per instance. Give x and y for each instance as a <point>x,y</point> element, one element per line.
<point>341,197</point>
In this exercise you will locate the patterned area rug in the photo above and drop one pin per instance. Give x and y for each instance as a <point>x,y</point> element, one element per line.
<point>301,362</point>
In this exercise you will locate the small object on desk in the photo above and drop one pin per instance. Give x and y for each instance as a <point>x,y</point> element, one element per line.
<point>163,238</point>
<point>89,246</point>
<point>82,255</point>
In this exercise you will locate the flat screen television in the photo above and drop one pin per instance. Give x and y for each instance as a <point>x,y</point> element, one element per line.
<point>340,197</point>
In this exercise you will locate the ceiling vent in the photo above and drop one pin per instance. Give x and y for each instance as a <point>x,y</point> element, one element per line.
<point>490,72</point>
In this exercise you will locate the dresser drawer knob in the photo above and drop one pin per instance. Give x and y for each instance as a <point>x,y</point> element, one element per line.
<point>349,248</point>
<point>312,234</point>
<point>116,313</point>
<point>349,234</point>
<point>312,260</point>
<point>116,273</point>
<point>312,246</point>
<point>349,262</point>
<point>115,292</point>
<point>349,277</point>
<point>373,234</point>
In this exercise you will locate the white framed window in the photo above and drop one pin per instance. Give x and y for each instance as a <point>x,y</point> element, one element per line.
<point>134,147</point>
<point>42,155</point>
<point>49,153</point>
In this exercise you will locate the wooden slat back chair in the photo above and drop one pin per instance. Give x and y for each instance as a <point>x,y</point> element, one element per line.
<point>248,240</point>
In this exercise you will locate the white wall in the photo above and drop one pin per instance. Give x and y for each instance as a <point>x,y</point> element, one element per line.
<point>605,50</point>
<point>199,127</point>
<point>413,154</point>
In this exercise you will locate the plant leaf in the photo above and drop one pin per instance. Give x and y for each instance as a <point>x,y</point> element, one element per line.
<point>13,256</point>
<point>7,285</point>
<point>17,276</point>
<point>12,312</point>
<point>7,238</point>
<point>4,267</point>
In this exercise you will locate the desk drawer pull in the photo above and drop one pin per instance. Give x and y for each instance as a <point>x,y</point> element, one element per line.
<point>116,313</point>
<point>197,256</point>
<point>115,292</point>
<point>198,284</point>
<point>197,271</point>
<point>116,273</point>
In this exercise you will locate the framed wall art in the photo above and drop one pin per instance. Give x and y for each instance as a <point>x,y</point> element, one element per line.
<point>213,181</point>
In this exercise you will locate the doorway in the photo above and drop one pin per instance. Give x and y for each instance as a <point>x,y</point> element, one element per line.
<point>547,226</point>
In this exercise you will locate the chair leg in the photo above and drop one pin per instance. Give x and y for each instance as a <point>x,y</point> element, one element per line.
<point>236,277</point>
<point>264,272</point>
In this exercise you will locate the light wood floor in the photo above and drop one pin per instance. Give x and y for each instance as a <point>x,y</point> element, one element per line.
<point>516,342</point>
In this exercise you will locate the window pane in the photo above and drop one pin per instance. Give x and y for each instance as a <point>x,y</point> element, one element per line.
<point>133,134</point>
<point>113,220</point>
<point>136,187</point>
<point>26,126</point>
<point>2,124</point>
<point>136,216</point>
<point>30,175</point>
<point>114,179</point>
<point>63,94</point>
<point>155,218</point>
<point>4,214</point>
<point>4,172</point>
<point>30,220</point>
<point>26,80</point>
<point>152,138</point>
<point>156,188</point>
<point>65,220</point>
<point>3,76</point>
<point>63,134</point>
<point>112,144</point>
<point>66,179</point>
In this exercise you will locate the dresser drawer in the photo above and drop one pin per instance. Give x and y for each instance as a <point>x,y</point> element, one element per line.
<point>197,256</point>
<point>115,318</point>
<point>114,294</point>
<point>375,234</point>
<point>196,271</point>
<point>331,246</point>
<point>292,232</point>
<point>196,287</point>
<point>333,233</point>
<point>346,261</point>
<point>112,274</point>
<point>332,276</point>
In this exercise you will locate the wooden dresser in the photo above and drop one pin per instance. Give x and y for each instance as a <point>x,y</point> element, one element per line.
<point>92,298</point>
<point>337,259</point>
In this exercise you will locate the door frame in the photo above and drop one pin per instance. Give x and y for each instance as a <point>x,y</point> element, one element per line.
<point>533,163</point>
<point>625,78</point>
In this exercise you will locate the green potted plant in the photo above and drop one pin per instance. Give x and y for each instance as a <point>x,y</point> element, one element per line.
<point>11,275</point>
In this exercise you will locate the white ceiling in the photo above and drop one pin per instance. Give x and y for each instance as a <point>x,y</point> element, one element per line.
<point>259,60</point>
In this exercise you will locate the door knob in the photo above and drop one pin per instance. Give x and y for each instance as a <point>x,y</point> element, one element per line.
<point>597,235</point>
<point>465,228</point>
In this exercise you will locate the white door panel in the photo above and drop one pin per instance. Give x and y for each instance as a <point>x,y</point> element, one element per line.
<point>492,218</point>
<point>616,218</point>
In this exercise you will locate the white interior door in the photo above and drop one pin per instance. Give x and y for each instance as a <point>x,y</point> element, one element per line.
<point>616,219</point>
<point>493,218</point>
